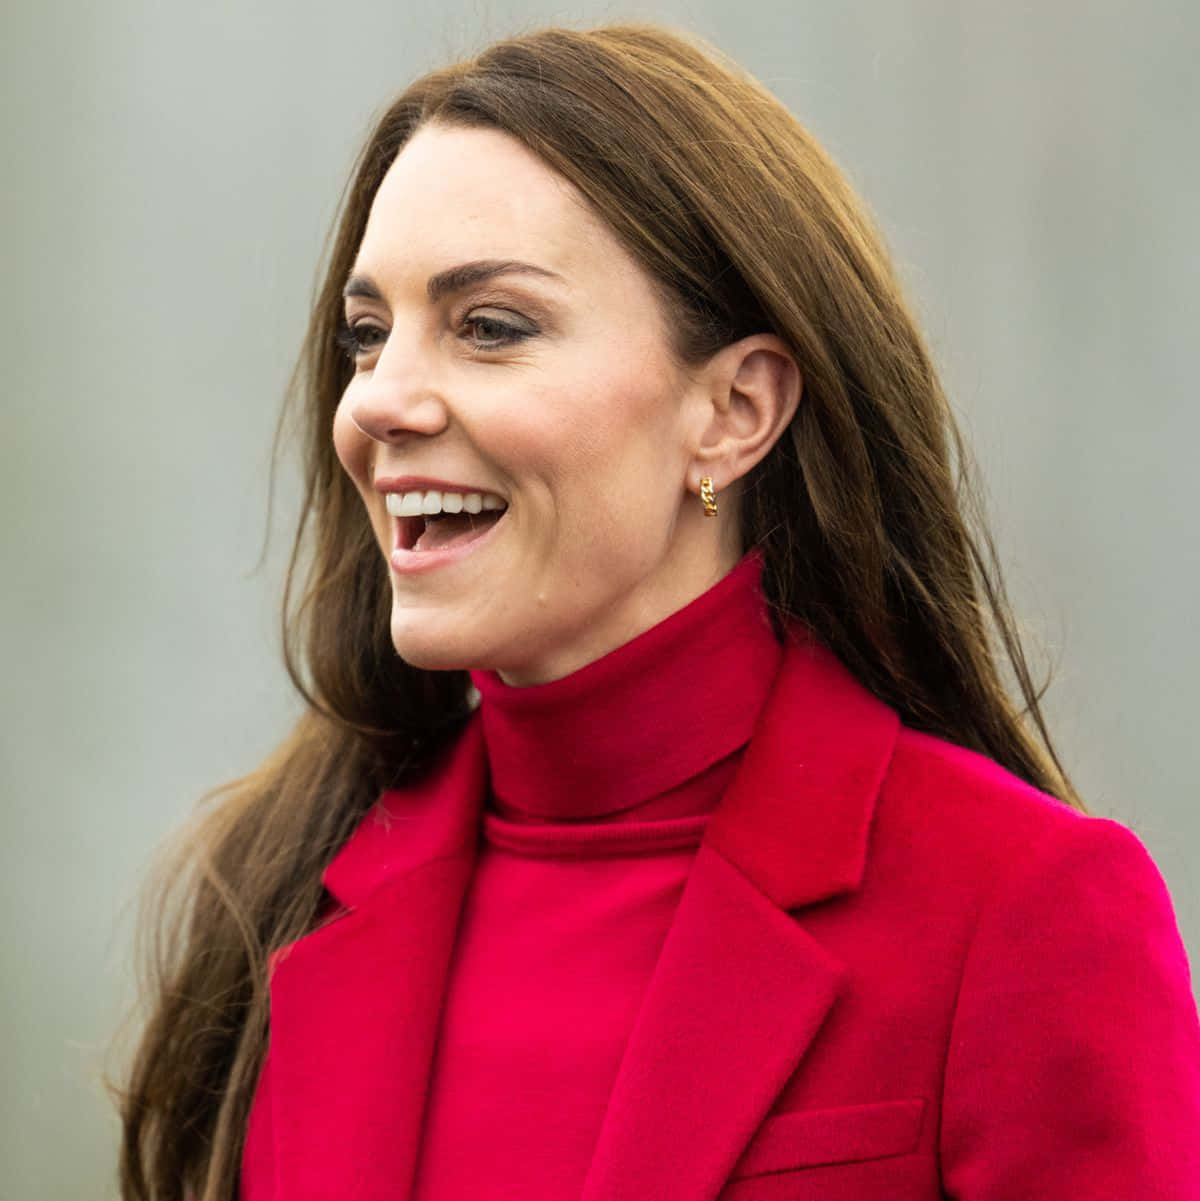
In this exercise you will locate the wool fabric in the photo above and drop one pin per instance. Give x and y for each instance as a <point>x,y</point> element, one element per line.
<point>601,786</point>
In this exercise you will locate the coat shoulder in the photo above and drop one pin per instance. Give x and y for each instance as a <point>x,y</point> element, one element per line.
<point>936,770</point>
<point>957,808</point>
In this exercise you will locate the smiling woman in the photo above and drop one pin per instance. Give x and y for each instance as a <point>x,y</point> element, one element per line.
<point>659,825</point>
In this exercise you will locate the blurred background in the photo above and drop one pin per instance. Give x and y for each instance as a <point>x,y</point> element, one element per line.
<point>170,171</point>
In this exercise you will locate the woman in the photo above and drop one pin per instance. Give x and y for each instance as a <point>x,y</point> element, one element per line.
<point>729,869</point>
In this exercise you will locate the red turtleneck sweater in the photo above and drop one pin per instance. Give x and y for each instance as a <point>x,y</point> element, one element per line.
<point>602,783</point>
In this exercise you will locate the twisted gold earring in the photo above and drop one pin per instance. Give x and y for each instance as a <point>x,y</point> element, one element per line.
<point>707,496</point>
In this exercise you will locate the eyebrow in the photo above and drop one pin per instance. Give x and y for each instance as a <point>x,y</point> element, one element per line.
<point>453,279</point>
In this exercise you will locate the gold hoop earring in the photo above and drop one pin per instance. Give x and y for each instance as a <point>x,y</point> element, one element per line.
<point>707,496</point>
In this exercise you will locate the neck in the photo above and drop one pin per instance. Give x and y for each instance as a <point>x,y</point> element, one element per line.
<point>691,571</point>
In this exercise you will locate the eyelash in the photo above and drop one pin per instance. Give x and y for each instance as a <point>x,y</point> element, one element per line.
<point>352,338</point>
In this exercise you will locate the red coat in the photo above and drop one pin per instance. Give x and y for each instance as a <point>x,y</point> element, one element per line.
<point>895,972</point>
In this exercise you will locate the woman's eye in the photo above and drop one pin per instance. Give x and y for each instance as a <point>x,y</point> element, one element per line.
<point>481,332</point>
<point>490,332</point>
<point>360,338</point>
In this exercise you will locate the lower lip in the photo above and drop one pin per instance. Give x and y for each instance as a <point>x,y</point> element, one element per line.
<point>413,562</point>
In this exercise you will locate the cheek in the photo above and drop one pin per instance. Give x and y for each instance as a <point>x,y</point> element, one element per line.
<point>616,469</point>
<point>629,437</point>
<point>625,412</point>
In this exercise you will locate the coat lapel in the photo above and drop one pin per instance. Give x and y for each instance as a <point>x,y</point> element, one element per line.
<point>740,990</point>
<point>738,993</point>
<point>355,1004</point>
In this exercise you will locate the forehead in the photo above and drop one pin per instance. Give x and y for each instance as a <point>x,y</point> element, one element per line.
<point>455,194</point>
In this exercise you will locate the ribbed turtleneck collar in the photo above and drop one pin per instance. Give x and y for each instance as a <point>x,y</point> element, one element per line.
<point>640,721</point>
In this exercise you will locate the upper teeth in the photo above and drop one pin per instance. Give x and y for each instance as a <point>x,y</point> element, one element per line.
<point>416,504</point>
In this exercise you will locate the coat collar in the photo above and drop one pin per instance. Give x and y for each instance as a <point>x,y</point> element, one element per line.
<point>738,982</point>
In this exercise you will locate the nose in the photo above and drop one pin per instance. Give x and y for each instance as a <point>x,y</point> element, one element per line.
<point>397,398</point>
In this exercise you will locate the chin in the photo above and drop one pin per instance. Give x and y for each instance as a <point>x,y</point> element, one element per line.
<point>430,656</point>
<point>467,639</point>
<point>430,650</point>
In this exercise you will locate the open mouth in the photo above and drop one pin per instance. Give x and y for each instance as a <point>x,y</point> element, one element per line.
<point>440,531</point>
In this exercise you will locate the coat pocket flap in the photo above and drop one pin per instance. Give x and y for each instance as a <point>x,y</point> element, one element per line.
<point>807,1137</point>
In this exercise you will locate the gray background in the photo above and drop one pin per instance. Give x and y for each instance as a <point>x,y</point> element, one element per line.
<point>170,171</point>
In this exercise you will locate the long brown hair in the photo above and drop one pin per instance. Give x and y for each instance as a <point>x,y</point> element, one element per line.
<point>862,508</point>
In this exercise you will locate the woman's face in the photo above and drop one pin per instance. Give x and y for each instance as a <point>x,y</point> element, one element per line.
<point>511,355</point>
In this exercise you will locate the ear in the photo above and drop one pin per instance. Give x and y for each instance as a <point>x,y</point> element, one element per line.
<point>753,388</point>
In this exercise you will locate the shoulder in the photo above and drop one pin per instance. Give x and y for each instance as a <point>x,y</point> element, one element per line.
<point>960,816</point>
<point>968,788</point>
<point>1062,920</point>
<point>1072,1064</point>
